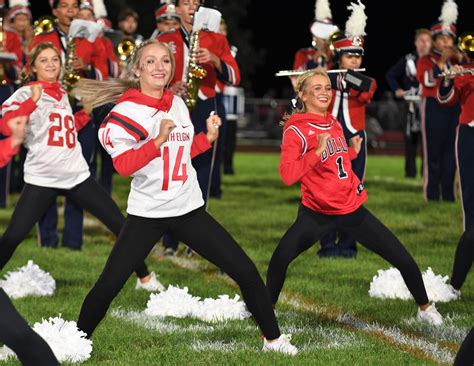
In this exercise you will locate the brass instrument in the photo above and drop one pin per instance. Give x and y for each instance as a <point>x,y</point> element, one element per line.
<point>301,72</point>
<point>333,37</point>
<point>70,76</point>
<point>466,43</point>
<point>43,25</point>
<point>125,49</point>
<point>195,73</point>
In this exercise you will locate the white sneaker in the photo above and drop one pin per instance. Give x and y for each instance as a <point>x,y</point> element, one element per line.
<point>430,315</point>
<point>152,285</point>
<point>455,292</point>
<point>281,344</point>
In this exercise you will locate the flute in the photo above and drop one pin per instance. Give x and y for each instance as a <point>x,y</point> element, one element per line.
<point>301,72</point>
<point>457,73</point>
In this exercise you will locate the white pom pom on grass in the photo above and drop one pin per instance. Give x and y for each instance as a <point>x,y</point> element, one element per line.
<point>29,280</point>
<point>67,342</point>
<point>178,303</point>
<point>389,284</point>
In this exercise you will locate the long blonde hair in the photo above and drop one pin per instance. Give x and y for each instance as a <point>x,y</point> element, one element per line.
<point>40,47</point>
<point>299,106</point>
<point>95,93</point>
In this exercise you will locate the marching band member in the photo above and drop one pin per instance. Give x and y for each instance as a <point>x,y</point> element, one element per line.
<point>348,105</point>
<point>89,61</point>
<point>166,19</point>
<point>460,89</point>
<point>401,78</point>
<point>314,153</point>
<point>150,136</point>
<point>319,54</point>
<point>215,57</point>
<point>54,164</point>
<point>128,24</point>
<point>19,20</point>
<point>438,124</point>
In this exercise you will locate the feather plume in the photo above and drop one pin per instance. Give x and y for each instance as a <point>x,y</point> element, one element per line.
<point>322,11</point>
<point>355,25</point>
<point>449,13</point>
<point>99,9</point>
<point>19,2</point>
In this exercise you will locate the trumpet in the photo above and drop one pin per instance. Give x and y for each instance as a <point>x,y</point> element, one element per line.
<point>43,25</point>
<point>125,49</point>
<point>301,72</point>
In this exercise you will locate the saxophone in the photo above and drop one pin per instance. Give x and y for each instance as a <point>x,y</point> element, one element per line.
<point>195,73</point>
<point>70,76</point>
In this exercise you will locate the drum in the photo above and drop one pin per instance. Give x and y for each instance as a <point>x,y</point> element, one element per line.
<point>234,102</point>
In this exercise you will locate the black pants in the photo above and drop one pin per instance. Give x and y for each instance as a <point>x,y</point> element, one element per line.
<point>203,234</point>
<point>310,226</point>
<point>465,356</point>
<point>230,144</point>
<point>463,258</point>
<point>35,200</point>
<point>439,133</point>
<point>15,333</point>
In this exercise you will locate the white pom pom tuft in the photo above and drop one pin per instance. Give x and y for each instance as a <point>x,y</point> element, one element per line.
<point>322,11</point>
<point>179,303</point>
<point>99,9</point>
<point>173,302</point>
<point>29,280</point>
<point>449,13</point>
<point>389,284</point>
<point>355,25</point>
<point>69,344</point>
<point>223,308</point>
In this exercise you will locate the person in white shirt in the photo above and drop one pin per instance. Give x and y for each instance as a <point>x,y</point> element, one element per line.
<point>150,136</point>
<point>54,163</point>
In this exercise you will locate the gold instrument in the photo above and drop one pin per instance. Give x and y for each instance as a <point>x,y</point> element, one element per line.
<point>332,38</point>
<point>43,25</point>
<point>125,49</point>
<point>301,72</point>
<point>195,73</point>
<point>466,43</point>
<point>70,76</point>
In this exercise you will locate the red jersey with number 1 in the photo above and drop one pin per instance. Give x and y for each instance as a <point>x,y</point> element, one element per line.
<point>328,184</point>
<point>164,181</point>
<point>54,156</point>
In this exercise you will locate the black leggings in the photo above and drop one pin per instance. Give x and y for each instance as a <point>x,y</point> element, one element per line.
<point>200,232</point>
<point>310,226</point>
<point>30,348</point>
<point>463,258</point>
<point>34,201</point>
<point>465,355</point>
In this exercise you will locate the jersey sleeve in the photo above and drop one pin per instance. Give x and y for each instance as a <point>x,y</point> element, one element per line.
<point>19,104</point>
<point>295,163</point>
<point>121,141</point>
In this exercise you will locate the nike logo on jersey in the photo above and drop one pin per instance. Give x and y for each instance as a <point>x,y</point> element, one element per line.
<point>186,126</point>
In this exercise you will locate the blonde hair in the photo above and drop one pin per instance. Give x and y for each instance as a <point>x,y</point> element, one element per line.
<point>95,93</point>
<point>299,106</point>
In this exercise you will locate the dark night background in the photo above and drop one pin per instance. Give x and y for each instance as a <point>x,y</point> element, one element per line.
<point>268,33</point>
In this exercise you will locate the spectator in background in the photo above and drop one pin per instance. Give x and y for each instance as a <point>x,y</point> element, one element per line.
<point>128,24</point>
<point>401,79</point>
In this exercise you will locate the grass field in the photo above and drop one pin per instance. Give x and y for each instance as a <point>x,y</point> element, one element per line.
<point>325,303</point>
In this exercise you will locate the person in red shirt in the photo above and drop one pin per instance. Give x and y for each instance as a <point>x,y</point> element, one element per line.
<point>315,154</point>
<point>460,89</point>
